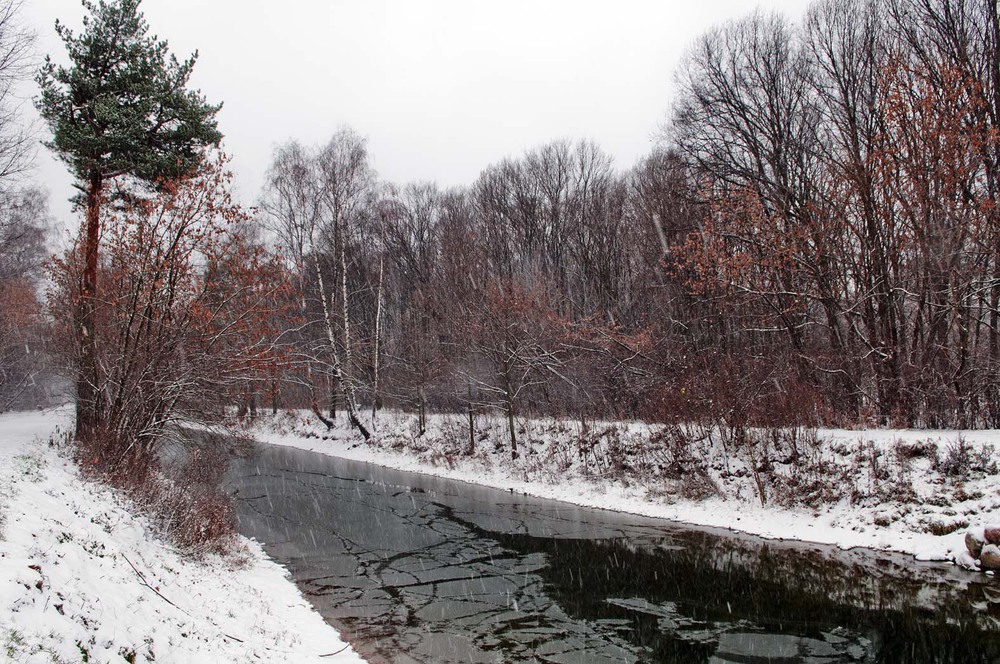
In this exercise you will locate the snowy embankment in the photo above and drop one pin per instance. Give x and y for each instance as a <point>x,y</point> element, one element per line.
<point>82,579</point>
<point>913,492</point>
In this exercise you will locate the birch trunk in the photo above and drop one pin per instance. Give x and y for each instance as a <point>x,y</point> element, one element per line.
<point>338,367</point>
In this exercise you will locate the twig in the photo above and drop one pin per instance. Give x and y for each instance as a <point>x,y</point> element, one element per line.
<point>146,583</point>
<point>333,654</point>
<point>142,579</point>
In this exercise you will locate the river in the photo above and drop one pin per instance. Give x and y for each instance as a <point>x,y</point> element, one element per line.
<point>412,568</point>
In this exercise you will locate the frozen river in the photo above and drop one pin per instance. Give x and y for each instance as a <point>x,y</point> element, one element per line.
<point>412,568</point>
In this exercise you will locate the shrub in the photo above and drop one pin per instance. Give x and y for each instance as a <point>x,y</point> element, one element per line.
<point>200,521</point>
<point>920,449</point>
<point>940,528</point>
<point>698,485</point>
<point>186,503</point>
<point>961,460</point>
<point>957,461</point>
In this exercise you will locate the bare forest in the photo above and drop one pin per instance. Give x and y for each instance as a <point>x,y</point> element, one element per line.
<point>814,241</point>
<point>25,378</point>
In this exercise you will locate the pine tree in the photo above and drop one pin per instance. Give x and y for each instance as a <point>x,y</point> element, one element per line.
<point>121,108</point>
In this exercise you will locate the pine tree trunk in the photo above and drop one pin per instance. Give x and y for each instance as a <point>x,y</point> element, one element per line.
<point>88,409</point>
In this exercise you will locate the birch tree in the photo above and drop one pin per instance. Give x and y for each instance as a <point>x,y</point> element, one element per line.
<point>313,197</point>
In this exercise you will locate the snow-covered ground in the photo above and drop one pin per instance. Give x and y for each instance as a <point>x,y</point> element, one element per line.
<point>914,492</point>
<point>82,579</point>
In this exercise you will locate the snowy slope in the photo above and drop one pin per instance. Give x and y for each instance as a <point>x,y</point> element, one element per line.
<point>81,579</point>
<point>874,495</point>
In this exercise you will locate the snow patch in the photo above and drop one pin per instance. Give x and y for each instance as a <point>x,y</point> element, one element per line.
<point>82,578</point>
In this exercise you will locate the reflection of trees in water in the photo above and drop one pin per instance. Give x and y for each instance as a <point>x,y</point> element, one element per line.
<point>702,594</point>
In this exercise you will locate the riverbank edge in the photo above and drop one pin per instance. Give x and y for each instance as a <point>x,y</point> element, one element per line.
<point>83,578</point>
<point>841,524</point>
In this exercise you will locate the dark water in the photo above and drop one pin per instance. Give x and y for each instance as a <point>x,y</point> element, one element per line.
<point>416,569</point>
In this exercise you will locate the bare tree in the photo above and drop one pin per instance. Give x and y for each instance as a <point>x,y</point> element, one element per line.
<point>185,321</point>
<point>313,198</point>
<point>24,226</point>
<point>822,212</point>
<point>292,206</point>
<point>517,332</point>
<point>17,141</point>
<point>23,212</point>
<point>409,224</point>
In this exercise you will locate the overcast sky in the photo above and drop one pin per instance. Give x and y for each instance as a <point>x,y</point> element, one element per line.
<point>441,88</point>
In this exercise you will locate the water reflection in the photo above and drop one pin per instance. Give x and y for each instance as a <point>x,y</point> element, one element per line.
<point>417,569</point>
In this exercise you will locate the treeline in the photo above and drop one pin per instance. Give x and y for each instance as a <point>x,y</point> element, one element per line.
<point>26,378</point>
<point>25,374</point>
<point>530,291</point>
<point>816,241</point>
<point>849,172</point>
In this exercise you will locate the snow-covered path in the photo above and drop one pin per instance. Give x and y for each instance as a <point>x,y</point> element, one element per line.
<point>82,579</point>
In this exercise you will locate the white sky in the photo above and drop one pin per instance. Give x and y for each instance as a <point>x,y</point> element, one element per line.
<point>441,88</point>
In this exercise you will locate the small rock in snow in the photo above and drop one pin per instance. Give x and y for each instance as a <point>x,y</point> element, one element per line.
<point>990,557</point>
<point>974,541</point>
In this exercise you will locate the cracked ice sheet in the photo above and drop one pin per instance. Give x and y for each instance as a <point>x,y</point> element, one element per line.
<point>417,567</point>
<point>472,599</point>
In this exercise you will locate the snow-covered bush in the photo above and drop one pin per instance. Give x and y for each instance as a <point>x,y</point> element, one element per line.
<point>183,497</point>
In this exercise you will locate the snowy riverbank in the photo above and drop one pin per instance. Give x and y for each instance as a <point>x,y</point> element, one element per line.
<point>913,492</point>
<point>82,579</point>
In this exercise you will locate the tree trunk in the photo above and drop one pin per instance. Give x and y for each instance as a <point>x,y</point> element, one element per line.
<point>421,412</point>
<point>993,189</point>
<point>472,431</point>
<point>743,440</point>
<point>338,368</point>
<point>510,424</point>
<point>378,335</point>
<point>344,375</point>
<point>328,423</point>
<point>334,395</point>
<point>313,401</point>
<point>88,407</point>
<point>472,425</point>
<point>275,394</point>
